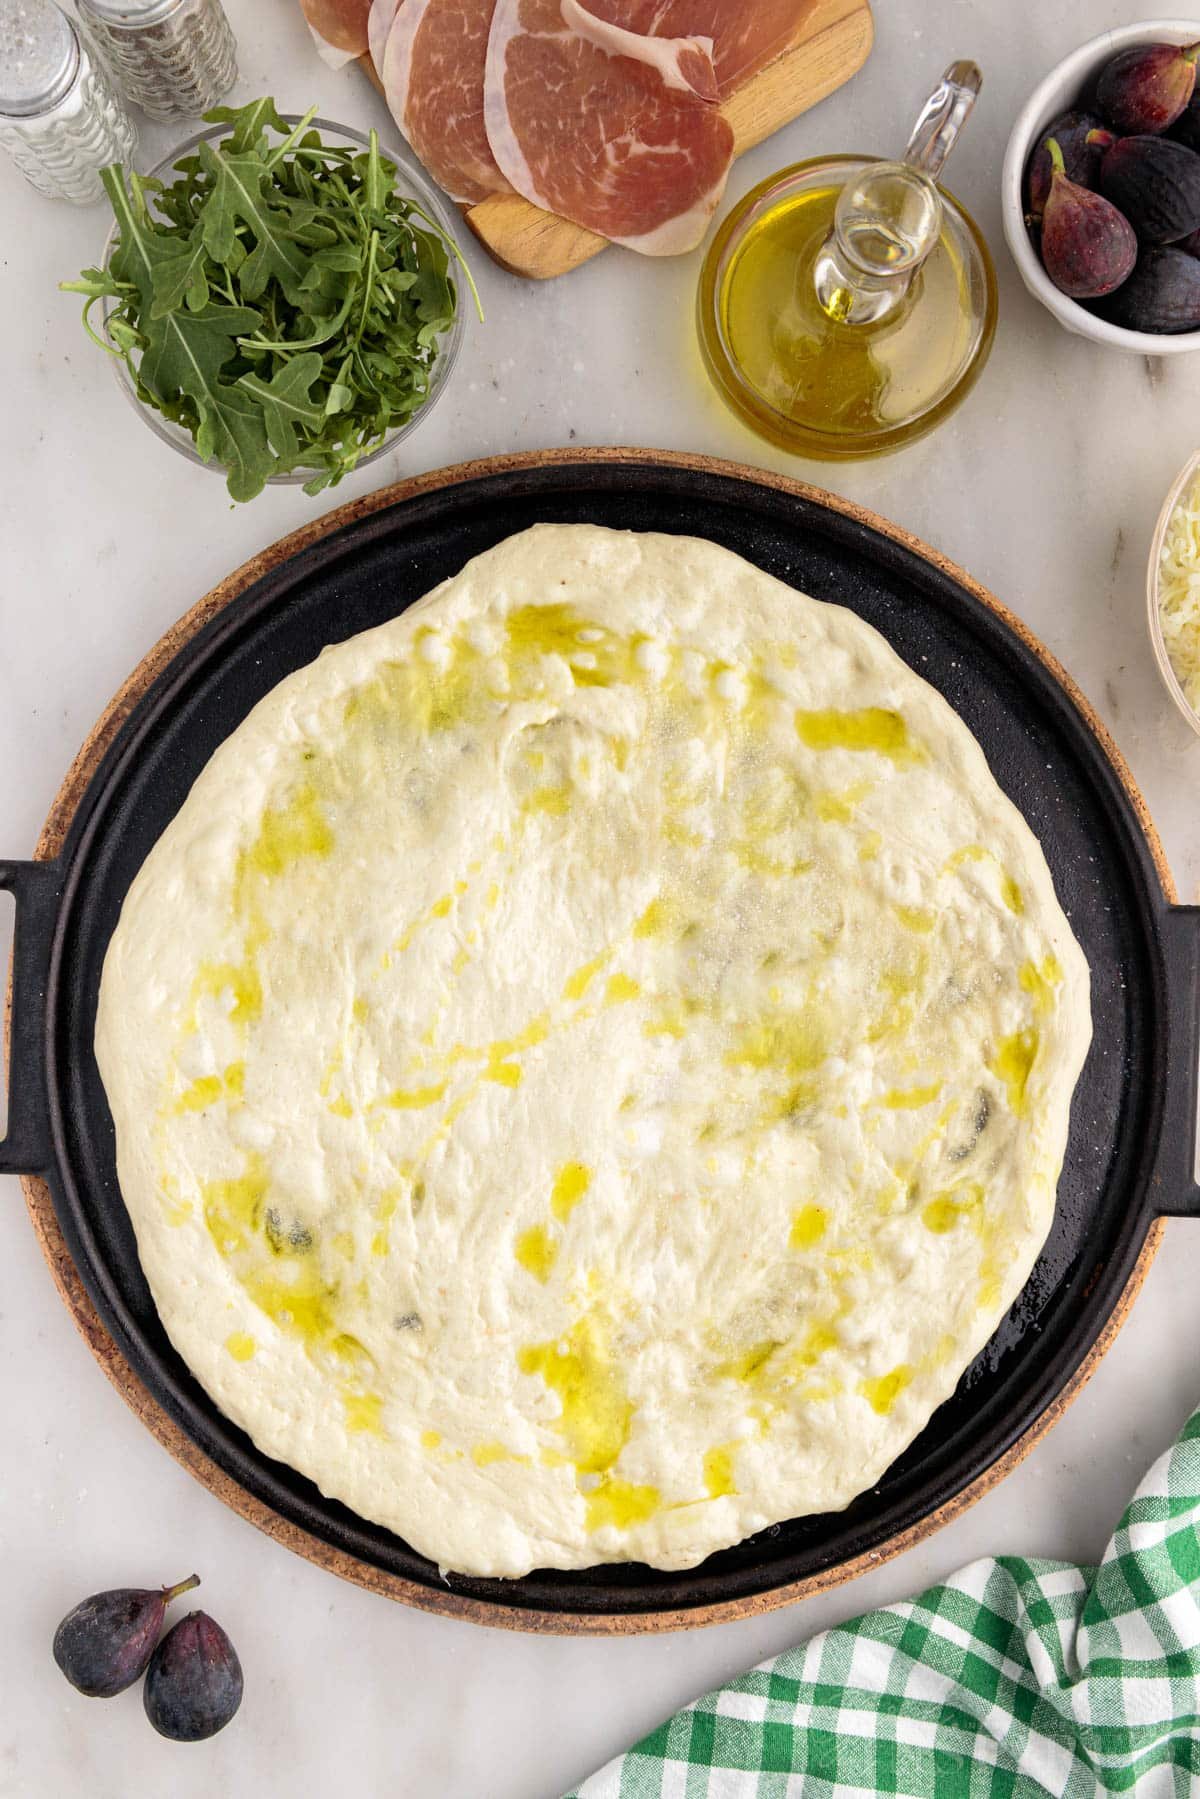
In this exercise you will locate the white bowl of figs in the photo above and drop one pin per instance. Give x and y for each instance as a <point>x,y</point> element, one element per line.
<point>1101,189</point>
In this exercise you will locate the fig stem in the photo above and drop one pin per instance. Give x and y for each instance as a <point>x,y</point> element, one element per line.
<point>1191,52</point>
<point>1054,151</point>
<point>185,1586</point>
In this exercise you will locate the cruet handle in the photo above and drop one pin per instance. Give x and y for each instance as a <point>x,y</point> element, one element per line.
<point>888,217</point>
<point>942,118</point>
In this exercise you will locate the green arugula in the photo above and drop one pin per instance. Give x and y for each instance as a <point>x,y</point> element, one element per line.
<point>281,299</point>
<point>285,403</point>
<point>180,276</point>
<point>238,197</point>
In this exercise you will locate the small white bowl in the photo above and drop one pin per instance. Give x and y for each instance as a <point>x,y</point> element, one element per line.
<point>1174,686</point>
<point>1062,89</point>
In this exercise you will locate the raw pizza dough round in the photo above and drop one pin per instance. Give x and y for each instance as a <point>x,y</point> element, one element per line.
<point>591,1058</point>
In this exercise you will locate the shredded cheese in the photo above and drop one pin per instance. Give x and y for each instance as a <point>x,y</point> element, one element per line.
<point>1179,593</point>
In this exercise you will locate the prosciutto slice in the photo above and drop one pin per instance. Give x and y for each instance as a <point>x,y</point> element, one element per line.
<point>746,34</point>
<point>432,74</point>
<point>613,128</point>
<point>380,20</point>
<point>339,27</point>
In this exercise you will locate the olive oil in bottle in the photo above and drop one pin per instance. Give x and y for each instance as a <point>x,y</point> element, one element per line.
<point>847,305</point>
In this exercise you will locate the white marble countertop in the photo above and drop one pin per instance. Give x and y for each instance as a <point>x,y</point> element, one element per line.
<point>1046,486</point>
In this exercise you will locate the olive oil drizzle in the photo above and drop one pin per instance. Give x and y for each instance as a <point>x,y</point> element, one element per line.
<point>776,1051</point>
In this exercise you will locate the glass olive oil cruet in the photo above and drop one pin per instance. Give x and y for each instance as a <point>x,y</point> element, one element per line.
<point>847,305</point>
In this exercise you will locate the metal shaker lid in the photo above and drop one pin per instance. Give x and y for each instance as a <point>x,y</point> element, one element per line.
<point>131,13</point>
<point>39,57</point>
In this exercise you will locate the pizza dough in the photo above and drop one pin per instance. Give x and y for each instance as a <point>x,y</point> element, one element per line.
<point>591,1058</point>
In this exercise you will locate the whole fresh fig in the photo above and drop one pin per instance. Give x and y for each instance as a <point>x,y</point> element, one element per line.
<point>1083,140</point>
<point>194,1682</point>
<point>104,1644</point>
<point>1145,88</point>
<point>1156,184</point>
<point>1162,295</point>
<point>1088,247</point>
<point>1186,129</point>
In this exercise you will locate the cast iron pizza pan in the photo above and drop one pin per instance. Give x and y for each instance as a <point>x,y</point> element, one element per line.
<point>1130,1156</point>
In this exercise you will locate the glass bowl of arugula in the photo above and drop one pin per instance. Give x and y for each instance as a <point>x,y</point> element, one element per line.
<point>281,299</point>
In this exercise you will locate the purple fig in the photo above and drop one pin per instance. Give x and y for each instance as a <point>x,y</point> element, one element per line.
<point>1190,245</point>
<point>1186,129</point>
<point>1088,247</point>
<point>105,1644</point>
<point>194,1682</point>
<point>1161,296</point>
<point>1083,140</point>
<point>1156,184</point>
<point>1145,88</point>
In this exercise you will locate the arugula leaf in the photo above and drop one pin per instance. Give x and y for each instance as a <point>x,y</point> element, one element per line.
<point>248,123</point>
<point>238,440</point>
<point>281,299</point>
<point>186,351</point>
<point>139,243</point>
<point>185,354</point>
<point>376,183</point>
<point>180,277</point>
<point>285,402</point>
<point>237,193</point>
<point>341,395</point>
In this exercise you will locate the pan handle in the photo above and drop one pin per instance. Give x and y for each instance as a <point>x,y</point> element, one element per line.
<point>1173,1187</point>
<point>35,886</point>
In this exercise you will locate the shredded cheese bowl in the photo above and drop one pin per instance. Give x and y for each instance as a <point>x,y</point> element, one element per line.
<point>1173,592</point>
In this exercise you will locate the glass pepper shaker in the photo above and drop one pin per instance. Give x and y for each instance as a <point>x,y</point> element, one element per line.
<point>175,58</point>
<point>60,120</point>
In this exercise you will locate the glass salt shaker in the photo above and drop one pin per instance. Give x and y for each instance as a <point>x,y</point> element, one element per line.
<point>60,120</point>
<point>175,58</point>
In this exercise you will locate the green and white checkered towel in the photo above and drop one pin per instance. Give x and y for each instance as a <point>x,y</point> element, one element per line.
<point>1016,1678</point>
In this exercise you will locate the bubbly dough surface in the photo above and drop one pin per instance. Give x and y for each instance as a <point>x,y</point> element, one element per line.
<point>591,1058</point>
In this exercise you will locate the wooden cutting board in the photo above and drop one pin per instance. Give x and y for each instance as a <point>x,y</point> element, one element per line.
<point>833,42</point>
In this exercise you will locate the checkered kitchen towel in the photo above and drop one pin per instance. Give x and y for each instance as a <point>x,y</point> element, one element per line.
<point>1016,1678</point>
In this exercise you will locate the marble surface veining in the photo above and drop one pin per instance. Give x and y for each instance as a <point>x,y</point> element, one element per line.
<point>1046,486</point>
